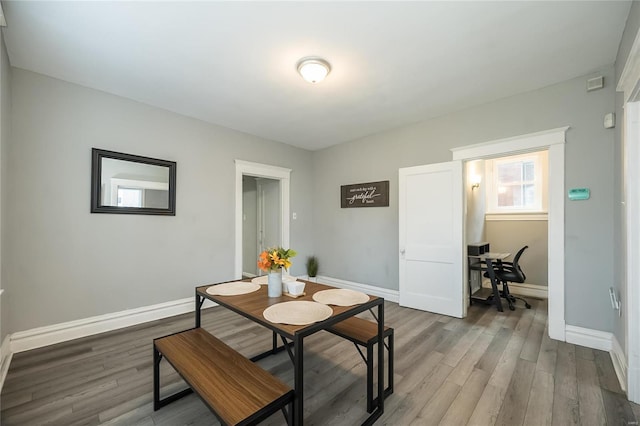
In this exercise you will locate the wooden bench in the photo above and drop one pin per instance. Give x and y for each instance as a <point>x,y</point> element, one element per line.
<point>365,333</point>
<point>238,391</point>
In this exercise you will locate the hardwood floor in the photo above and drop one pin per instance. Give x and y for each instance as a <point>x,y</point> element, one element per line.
<point>490,368</point>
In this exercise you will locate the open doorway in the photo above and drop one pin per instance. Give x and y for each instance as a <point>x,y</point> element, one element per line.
<point>507,206</point>
<point>260,220</point>
<point>553,141</point>
<point>273,183</point>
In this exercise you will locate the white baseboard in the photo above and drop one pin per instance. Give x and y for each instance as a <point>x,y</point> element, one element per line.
<point>57,333</point>
<point>5,359</point>
<point>524,290</point>
<point>387,294</point>
<point>619,361</point>
<point>633,378</point>
<point>589,338</point>
<point>603,341</point>
<point>49,335</point>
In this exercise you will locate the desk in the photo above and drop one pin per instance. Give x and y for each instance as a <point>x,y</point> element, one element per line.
<point>494,296</point>
<point>252,305</point>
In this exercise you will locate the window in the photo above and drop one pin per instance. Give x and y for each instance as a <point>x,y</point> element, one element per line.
<point>517,184</point>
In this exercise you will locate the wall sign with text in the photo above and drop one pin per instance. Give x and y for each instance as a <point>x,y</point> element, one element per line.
<point>372,194</point>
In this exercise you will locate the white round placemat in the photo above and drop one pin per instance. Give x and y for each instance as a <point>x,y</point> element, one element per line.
<point>261,280</point>
<point>233,289</point>
<point>297,313</point>
<point>340,297</point>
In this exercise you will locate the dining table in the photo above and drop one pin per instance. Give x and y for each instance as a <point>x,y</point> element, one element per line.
<point>252,306</point>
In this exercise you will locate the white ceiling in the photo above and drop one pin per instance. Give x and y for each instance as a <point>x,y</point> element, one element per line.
<point>234,63</point>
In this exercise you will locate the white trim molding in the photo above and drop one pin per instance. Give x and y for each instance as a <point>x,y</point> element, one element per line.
<point>497,217</point>
<point>524,290</point>
<point>386,293</point>
<point>553,140</point>
<point>603,341</point>
<point>589,338</point>
<point>247,168</point>
<point>632,234</point>
<point>5,359</point>
<point>522,143</point>
<point>555,232</point>
<point>57,333</point>
<point>628,82</point>
<point>619,362</point>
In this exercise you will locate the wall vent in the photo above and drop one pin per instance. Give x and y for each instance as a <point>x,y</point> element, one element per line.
<point>595,83</point>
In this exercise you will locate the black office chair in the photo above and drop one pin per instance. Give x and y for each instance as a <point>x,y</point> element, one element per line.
<point>507,272</point>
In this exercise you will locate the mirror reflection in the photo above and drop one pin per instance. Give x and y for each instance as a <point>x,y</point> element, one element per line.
<point>126,183</point>
<point>129,184</point>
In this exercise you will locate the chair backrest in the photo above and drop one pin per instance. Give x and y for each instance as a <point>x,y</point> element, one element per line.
<point>516,266</point>
<point>518,254</point>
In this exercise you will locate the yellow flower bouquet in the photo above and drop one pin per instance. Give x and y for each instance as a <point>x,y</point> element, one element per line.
<point>275,258</point>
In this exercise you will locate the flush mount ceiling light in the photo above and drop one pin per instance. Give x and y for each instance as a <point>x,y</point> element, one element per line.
<point>314,70</point>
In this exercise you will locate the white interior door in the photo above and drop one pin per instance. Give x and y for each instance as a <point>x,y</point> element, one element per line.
<point>431,239</point>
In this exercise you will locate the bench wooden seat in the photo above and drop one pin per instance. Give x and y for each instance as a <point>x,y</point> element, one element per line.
<point>238,391</point>
<point>365,333</point>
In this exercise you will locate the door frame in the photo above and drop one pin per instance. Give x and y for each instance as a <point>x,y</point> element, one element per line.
<point>631,233</point>
<point>247,168</point>
<point>553,140</point>
<point>629,85</point>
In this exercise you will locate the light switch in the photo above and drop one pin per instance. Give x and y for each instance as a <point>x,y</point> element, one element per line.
<point>295,215</point>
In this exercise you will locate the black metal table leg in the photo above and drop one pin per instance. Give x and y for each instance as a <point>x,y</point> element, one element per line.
<point>298,372</point>
<point>494,285</point>
<point>379,410</point>
<point>199,302</point>
<point>381,357</point>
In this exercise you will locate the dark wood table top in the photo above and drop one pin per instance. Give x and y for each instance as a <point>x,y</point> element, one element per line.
<point>252,305</point>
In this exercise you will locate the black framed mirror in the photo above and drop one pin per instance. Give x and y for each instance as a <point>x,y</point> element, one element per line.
<point>131,184</point>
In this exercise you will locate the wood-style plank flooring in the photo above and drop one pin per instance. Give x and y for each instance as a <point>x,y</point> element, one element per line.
<point>490,368</point>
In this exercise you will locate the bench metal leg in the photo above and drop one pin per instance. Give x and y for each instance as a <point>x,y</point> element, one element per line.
<point>287,411</point>
<point>389,390</point>
<point>371,401</point>
<point>156,378</point>
<point>157,402</point>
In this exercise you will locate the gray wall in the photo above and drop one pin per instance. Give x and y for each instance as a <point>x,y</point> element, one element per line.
<point>58,248</point>
<point>361,245</point>
<point>509,236</point>
<point>628,36</point>
<point>5,133</point>
<point>66,263</point>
